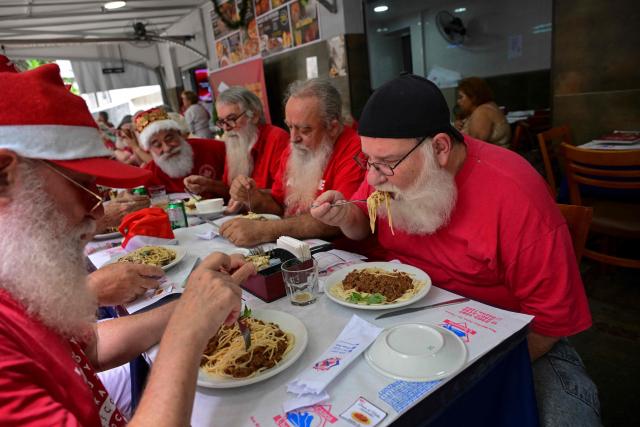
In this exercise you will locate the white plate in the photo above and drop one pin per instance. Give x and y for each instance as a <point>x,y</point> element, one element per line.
<point>417,352</point>
<point>106,236</point>
<point>208,215</point>
<point>230,217</point>
<point>287,323</point>
<point>339,275</point>
<point>179,250</point>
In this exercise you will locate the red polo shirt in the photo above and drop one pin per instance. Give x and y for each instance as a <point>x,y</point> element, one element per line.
<point>342,172</point>
<point>266,153</point>
<point>208,160</point>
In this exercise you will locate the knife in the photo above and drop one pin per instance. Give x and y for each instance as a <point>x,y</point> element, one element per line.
<point>246,334</point>
<point>412,309</point>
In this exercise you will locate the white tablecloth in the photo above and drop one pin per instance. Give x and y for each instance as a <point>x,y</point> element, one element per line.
<point>260,404</point>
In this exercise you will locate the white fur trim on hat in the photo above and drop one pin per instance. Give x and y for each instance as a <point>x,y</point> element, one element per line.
<point>154,127</point>
<point>53,142</point>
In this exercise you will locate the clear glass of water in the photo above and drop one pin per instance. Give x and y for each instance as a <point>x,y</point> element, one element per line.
<point>301,280</point>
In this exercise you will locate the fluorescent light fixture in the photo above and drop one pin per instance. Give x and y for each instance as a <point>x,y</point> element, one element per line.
<point>114,5</point>
<point>460,9</point>
<point>380,9</point>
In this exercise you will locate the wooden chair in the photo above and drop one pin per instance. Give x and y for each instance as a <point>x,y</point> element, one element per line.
<point>614,215</point>
<point>578,220</point>
<point>548,149</point>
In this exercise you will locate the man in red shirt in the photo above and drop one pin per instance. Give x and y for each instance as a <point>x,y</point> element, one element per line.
<point>176,159</point>
<point>319,158</point>
<point>51,160</point>
<point>480,221</point>
<point>253,147</point>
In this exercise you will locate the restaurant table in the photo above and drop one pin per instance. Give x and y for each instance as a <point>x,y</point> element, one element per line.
<point>494,388</point>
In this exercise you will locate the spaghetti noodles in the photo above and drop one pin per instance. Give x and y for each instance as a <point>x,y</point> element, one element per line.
<point>150,255</point>
<point>253,215</point>
<point>225,355</point>
<point>373,201</point>
<point>377,286</point>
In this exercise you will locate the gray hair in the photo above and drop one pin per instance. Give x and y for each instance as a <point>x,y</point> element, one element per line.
<point>324,91</point>
<point>245,99</point>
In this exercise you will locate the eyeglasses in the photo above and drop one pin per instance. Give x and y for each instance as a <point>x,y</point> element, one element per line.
<point>98,198</point>
<point>229,120</point>
<point>382,167</point>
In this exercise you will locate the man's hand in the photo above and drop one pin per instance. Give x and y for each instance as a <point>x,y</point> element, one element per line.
<point>330,215</point>
<point>119,283</point>
<point>118,208</point>
<point>242,188</point>
<point>199,184</point>
<point>234,207</point>
<point>213,294</point>
<point>245,232</point>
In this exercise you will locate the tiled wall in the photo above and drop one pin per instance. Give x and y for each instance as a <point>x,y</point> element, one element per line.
<point>596,66</point>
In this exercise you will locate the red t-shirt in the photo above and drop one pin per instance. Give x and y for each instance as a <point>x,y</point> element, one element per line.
<point>208,160</point>
<point>46,379</point>
<point>266,153</point>
<point>507,243</point>
<point>342,173</point>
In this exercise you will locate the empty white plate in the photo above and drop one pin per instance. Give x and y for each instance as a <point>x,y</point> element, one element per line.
<point>417,352</point>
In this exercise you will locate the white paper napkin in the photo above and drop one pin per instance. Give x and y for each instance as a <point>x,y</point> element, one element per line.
<point>353,340</point>
<point>139,241</point>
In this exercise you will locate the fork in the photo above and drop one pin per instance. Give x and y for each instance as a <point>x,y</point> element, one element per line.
<point>342,202</point>
<point>246,334</point>
<point>258,250</point>
<point>193,196</point>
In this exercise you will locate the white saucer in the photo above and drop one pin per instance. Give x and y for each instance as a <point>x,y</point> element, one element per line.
<point>207,215</point>
<point>417,352</point>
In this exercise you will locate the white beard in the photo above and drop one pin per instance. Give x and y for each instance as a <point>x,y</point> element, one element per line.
<point>304,172</point>
<point>239,145</point>
<point>41,259</point>
<point>428,203</point>
<point>178,166</point>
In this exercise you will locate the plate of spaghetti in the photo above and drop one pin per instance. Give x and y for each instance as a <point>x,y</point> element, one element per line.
<point>161,256</point>
<point>259,217</point>
<point>377,285</point>
<point>278,339</point>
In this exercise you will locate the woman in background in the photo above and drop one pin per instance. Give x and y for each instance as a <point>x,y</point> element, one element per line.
<point>484,119</point>
<point>196,115</point>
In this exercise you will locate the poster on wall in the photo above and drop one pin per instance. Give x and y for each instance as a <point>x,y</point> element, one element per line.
<point>230,12</point>
<point>249,34</point>
<point>249,74</point>
<point>229,50</point>
<point>262,6</point>
<point>337,57</point>
<point>275,31</point>
<point>304,21</point>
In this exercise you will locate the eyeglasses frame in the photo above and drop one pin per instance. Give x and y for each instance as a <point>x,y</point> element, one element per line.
<point>77,184</point>
<point>227,121</point>
<point>377,165</point>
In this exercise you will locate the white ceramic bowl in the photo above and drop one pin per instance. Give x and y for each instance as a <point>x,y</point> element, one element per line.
<point>417,352</point>
<point>209,206</point>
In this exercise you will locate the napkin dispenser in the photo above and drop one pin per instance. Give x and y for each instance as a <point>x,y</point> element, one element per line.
<point>268,284</point>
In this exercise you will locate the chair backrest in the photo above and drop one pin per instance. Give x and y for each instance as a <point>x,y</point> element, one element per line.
<point>619,169</point>
<point>519,133</point>
<point>578,220</point>
<point>546,139</point>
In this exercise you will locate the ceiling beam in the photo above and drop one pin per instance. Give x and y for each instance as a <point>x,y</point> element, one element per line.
<point>115,14</point>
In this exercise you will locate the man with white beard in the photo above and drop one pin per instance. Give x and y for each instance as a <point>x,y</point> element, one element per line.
<point>254,148</point>
<point>176,159</point>
<point>480,221</point>
<point>51,160</point>
<point>319,158</point>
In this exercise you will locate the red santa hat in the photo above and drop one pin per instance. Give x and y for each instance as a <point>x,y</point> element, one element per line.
<point>148,123</point>
<point>6,65</point>
<point>41,119</point>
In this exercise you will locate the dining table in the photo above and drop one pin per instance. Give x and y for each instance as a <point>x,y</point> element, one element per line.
<point>493,387</point>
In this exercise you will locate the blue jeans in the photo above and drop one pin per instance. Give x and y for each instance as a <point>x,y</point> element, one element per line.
<point>566,395</point>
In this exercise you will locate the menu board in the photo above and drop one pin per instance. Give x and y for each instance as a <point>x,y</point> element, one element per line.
<point>275,31</point>
<point>304,21</point>
<point>272,26</point>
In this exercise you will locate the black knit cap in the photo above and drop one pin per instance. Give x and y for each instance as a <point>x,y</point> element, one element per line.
<point>408,106</point>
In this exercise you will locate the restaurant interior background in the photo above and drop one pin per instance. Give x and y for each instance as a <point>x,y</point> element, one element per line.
<point>573,62</point>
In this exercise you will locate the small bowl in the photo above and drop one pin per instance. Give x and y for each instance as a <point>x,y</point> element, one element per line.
<point>417,352</point>
<point>209,206</point>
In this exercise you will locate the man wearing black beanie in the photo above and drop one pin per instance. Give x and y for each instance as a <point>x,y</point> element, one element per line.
<point>481,222</point>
